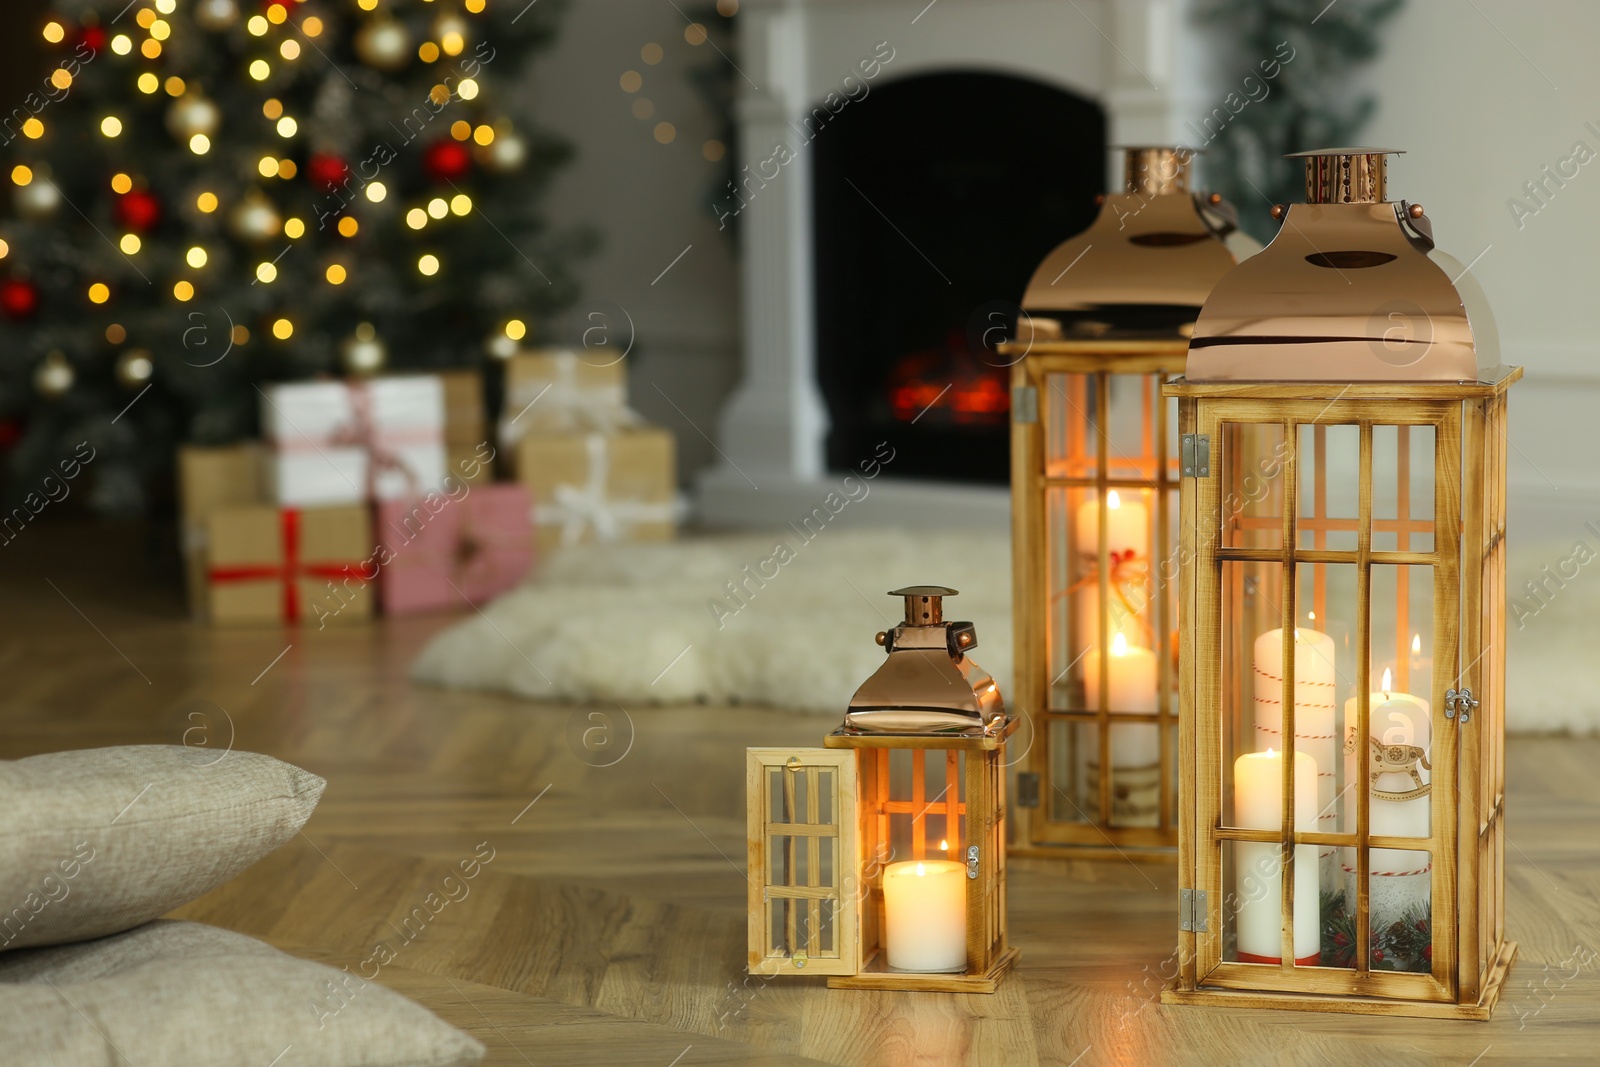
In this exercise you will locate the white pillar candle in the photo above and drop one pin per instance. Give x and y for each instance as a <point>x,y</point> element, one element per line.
<point>925,912</point>
<point>1131,681</point>
<point>1127,527</point>
<point>1314,699</point>
<point>1258,805</point>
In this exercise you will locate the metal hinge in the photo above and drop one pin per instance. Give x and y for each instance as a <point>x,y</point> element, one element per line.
<point>972,861</point>
<point>1196,455</point>
<point>1027,790</point>
<point>1192,910</point>
<point>1025,404</point>
<point>1459,700</point>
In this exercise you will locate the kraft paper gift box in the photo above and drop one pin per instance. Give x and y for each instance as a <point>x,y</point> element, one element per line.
<point>449,553</point>
<point>289,565</point>
<point>464,421</point>
<point>564,391</point>
<point>210,478</point>
<point>600,487</point>
<point>345,442</point>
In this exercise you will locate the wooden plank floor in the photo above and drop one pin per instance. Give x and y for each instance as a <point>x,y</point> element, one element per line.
<point>608,926</point>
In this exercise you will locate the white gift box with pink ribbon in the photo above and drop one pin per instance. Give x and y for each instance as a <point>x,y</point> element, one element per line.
<point>335,442</point>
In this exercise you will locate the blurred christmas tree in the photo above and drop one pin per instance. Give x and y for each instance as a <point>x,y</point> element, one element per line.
<point>213,193</point>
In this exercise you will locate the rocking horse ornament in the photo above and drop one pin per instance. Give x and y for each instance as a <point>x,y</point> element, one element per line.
<point>1394,759</point>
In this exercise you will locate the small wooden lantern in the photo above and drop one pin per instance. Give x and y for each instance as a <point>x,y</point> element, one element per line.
<point>1343,621</point>
<point>1094,473</point>
<point>879,859</point>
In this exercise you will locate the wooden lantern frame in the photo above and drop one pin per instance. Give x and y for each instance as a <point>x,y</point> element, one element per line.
<point>1470,954</point>
<point>836,803</point>
<point>1056,445</point>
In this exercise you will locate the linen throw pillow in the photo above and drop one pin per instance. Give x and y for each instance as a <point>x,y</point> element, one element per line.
<point>101,840</point>
<point>174,992</point>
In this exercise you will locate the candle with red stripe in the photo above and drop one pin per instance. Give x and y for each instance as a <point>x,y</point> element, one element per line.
<point>1314,698</point>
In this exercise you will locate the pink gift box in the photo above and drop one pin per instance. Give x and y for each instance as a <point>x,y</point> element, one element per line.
<point>454,552</point>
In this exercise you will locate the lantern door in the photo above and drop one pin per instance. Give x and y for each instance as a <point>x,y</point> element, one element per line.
<point>1323,620</point>
<point>805,865</point>
<point>1095,506</point>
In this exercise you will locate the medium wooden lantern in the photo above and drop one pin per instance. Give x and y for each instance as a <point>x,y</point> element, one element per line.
<point>1094,468</point>
<point>1342,613</point>
<point>879,859</point>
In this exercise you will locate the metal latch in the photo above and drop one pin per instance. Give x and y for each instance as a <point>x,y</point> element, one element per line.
<point>1027,789</point>
<point>1025,404</point>
<point>1196,455</point>
<point>972,861</point>
<point>1192,910</point>
<point>1460,700</point>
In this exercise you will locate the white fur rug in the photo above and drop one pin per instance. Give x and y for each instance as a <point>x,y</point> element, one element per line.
<point>656,624</point>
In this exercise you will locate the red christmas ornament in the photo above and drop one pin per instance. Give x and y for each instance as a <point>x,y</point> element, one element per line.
<point>10,433</point>
<point>327,171</point>
<point>138,210</point>
<point>1427,953</point>
<point>446,161</point>
<point>18,298</point>
<point>94,37</point>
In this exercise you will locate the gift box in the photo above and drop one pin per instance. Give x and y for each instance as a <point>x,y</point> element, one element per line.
<point>210,478</point>
<point>446,551</point>
<point>472,464</point>
<point>600,487</point>
<point>561,391</point>
<point>464,422</point>
<point>346,442</point>
<point>310,565</point>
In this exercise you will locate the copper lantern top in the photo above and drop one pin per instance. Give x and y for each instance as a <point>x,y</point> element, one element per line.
<point>1351,290</point>
<point>1144,266</point>
<point>928,684</point>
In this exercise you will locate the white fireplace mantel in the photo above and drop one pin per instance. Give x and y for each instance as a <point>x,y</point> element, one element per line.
<point>792,54</point>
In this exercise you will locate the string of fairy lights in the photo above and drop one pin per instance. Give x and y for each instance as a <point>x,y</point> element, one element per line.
<point>382,42</point>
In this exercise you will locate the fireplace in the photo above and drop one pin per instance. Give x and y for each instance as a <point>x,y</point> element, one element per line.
<point>837,351</point>
<point>933,200</point>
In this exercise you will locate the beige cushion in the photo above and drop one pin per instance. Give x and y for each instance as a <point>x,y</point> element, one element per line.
<point>187,995</point>
<point>101,840</point>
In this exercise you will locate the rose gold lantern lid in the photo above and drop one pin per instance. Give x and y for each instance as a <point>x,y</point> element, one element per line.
<point>1145,265</point>
<point>928,684</point>
<point>1351,290</point>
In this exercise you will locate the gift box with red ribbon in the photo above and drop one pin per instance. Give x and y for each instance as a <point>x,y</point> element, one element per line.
<point>451,551</point>
<point>294,565</point>
<point>338,442</point>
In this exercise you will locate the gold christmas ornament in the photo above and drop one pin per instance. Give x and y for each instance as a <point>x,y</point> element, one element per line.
<point>192,114</point>
<point>38,199</point>
<point>384,44</point>
<point>364,352</point>
<point>54,376</point>
<point>255,219</point>
<point>504,154</point>
<point>135,368</point>
<point>216,15</point>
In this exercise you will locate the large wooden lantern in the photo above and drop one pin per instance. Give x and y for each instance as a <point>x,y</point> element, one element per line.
<point>1094,468</point>
<point>1342,610</point>
<point>879,859</point>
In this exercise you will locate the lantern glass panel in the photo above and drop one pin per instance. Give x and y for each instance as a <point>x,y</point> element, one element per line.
<point>1402,488</point>
<point>925,802</point>
<point>1252,906</point>
<point>1252,491</point>
<point>1328,495</point>
<point>1074,746</point>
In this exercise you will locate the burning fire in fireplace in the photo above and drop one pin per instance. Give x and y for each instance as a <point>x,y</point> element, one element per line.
<point>949,384</point>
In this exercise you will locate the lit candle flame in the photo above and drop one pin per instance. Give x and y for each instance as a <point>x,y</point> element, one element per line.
<point>1311,615</point>
<point>922,871</point>
<point>944,845</point>
<point>1113,501</point>
<point>1387,679</point>
<point>1270,753</point>
<point>1119,645</point>
<point>1416,644</point>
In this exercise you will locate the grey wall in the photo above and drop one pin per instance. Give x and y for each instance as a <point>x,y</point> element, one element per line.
<point>645,199</point>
